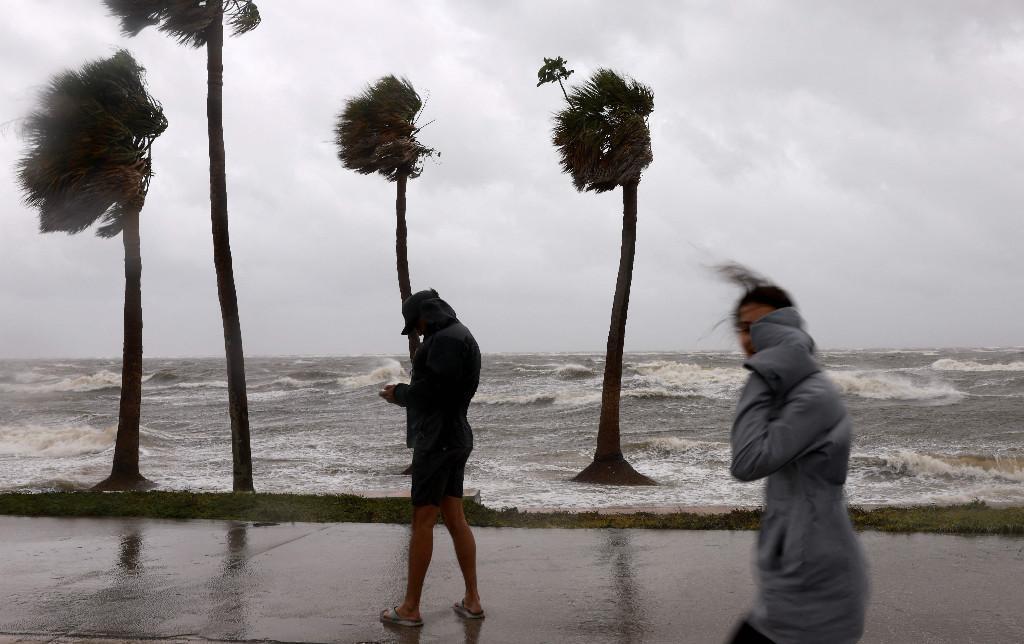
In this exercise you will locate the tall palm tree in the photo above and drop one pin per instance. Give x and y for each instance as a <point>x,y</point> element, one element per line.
<point>89,160</point>
<point>376,132</point>
<point>604,142</point>
<point>200,23</point>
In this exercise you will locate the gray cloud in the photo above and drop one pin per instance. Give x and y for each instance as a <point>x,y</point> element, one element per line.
<point>865,155</point>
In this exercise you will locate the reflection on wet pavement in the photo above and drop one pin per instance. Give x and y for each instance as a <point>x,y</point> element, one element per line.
<point>228,591</point>
<point>471,630</point>
<point>131,547</point>
<point>627,620</point>
<point>217,580</point>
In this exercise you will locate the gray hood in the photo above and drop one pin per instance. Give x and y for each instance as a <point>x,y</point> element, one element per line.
<point>785,352</point>
<point>792,428</point>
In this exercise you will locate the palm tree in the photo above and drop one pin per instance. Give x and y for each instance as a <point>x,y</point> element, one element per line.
<point>200,23</point>
<point>604,142</point>
<point>89,160</point>
<point>376,132</point>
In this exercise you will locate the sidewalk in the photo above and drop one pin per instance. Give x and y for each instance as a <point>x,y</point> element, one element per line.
<point>62,579</point>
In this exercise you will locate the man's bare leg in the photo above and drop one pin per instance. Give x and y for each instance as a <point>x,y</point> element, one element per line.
<point>421,548</point>
<point>465,548</point>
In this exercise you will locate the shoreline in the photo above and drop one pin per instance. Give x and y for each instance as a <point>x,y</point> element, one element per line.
<point>970,518</point>
<point>724,509</point>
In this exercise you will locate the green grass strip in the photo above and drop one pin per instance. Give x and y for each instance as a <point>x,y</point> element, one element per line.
<point>971,518</point>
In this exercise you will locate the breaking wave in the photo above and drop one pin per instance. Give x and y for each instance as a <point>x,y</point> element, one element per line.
<point>162,376</point>
<point>567,397</point>
<point>69,440</point>
<point>671,445</point>
<point>680,379</point>
<point>574,371</point>
<point>93,382</point>
<point>970,466</point>
<point>567,371</point>
<point>883,386</point>
<point>391,371</point>
<point>947,364</point>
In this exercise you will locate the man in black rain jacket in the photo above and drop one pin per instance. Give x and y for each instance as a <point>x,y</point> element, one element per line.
<point>445,376</point>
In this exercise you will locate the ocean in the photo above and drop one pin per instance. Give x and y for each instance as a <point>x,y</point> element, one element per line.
<point>931,426</point>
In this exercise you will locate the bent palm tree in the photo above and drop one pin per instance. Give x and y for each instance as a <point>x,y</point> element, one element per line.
<point>376,132</point>
<point>604,142</point>
<point>89,160</point>
<point>200,23</point>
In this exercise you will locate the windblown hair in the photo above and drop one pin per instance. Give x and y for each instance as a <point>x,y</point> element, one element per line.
<point>757,289</point>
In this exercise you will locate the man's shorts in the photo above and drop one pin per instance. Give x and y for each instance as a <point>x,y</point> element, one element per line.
<point>437,474</point>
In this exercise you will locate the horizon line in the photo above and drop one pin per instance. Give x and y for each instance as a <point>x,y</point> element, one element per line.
<point>401,356</point>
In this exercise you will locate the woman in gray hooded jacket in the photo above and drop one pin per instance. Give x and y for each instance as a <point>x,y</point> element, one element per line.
<point>792,428</point>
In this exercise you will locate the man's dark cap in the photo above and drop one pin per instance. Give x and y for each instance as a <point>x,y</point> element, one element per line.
<point>411,308</point>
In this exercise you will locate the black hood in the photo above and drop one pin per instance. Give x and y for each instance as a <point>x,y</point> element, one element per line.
<point>429,306</point>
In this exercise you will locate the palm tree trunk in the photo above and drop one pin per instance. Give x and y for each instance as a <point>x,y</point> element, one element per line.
<point>238,405</point>
<point>402,253</point>
<point>404,284</point>
<point>124,474</point>
<point>609,465</point>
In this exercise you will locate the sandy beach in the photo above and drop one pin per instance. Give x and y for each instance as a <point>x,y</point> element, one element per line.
<point>222,580</point>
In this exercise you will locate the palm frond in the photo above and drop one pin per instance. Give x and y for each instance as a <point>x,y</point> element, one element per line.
<point>376,130</point>
<point>242,16</point>
<point>184,20</point>
<point>602,135</point>
<point>89,143</point>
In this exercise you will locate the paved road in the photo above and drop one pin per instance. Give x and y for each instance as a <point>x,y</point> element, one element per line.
<point>219,580</point>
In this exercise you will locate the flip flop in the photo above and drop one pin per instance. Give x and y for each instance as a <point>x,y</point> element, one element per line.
<point>461,610</point>
<point>391,616</point>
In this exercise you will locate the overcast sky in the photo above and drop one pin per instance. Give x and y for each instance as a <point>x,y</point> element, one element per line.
<point>868,156</point>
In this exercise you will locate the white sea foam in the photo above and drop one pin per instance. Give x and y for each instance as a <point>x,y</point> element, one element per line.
<point>991,492</point>
<point>44,441</point>
<point>654,393</point>
<point>277,394</point>
<point>389,372</point>
<point>947,364</point>
<point>92,382</point>
<point>886,386</point>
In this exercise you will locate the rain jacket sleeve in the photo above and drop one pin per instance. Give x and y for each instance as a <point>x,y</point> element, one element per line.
<point>445,370</point>
<point>767,435</point>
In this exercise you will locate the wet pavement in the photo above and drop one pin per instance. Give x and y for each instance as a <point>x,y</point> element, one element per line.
<point>68,579</point>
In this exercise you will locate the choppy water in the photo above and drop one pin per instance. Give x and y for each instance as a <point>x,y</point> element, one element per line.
<point>931,426</point>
